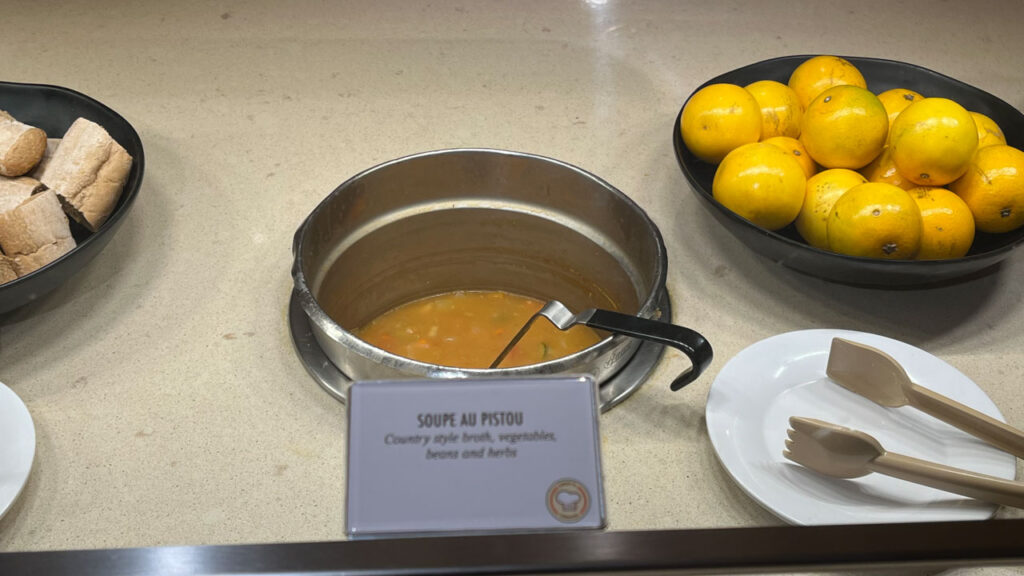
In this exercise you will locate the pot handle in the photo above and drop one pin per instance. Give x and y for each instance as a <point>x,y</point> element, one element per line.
<point>297,237</point>
<point>688,341</point>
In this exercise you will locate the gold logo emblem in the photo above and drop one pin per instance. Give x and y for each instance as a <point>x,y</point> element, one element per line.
<point>568,500</point>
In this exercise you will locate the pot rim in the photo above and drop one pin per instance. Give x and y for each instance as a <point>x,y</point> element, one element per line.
<point>332,330</point>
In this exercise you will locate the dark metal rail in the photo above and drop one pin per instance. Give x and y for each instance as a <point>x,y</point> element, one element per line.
<point>706,551</point>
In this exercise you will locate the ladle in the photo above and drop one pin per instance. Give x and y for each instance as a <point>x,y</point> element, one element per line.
<point>841,452</point>
<point>696,348</point>
<point>878,377</point>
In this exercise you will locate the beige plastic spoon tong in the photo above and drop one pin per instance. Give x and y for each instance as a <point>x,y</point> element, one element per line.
<point>841,452</point>
<point>878,377</point>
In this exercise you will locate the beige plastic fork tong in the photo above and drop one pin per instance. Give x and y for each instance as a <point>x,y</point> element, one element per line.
<point>878,377</point>
<point>842,452</point>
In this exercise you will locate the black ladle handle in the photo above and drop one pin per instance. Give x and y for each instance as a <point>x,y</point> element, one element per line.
<point>688,341</point>
<point>691,343</point>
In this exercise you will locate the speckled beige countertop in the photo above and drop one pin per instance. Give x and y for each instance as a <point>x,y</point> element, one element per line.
<point>169,404</point>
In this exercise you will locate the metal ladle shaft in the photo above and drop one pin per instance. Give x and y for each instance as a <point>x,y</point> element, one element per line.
<point>695,346</point>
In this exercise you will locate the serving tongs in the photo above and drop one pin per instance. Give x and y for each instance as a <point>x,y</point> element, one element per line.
<point>878,377</point>
<point>841,452</point>
<point>696,348</point>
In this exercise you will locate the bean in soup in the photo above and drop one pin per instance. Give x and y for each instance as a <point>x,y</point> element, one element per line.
<point>468,329</point>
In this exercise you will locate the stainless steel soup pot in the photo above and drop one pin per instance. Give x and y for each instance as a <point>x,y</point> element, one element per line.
<point>481,219</point>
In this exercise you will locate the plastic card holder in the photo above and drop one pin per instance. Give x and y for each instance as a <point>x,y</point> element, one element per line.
<point>430,457</point>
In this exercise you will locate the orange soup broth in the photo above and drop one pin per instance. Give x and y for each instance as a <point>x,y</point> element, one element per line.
<point>468,329</point>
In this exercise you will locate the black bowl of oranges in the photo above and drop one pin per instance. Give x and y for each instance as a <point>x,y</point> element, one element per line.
<point>858,170</point>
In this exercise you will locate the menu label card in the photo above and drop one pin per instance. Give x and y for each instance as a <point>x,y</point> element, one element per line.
<point>455,456</point>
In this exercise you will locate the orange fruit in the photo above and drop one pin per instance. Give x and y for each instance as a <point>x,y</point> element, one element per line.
<point>781,111</point>
<point>875,220</point>
<point>947,225</point>
<point>845,127</point>
<point>896,99</point>
<point>719,118</point>
<point>821,193</point>
<point>993,188</point>
<point>989,132</point>
<point>932,141</point>
<point>761,183</point>
<point>815,75</point>
<point>882,169</point>
<point>796,148</point>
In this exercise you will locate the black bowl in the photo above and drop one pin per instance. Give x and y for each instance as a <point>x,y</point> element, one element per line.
<point>53,109</point>
<point>789,249</point>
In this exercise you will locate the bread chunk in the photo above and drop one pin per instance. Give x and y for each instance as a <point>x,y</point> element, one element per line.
<point>35,233</point>
<point>88,172</point>
<point>51,149</point>
<point>7,272</point>
<point>14,191</point>
<point>21,146</point>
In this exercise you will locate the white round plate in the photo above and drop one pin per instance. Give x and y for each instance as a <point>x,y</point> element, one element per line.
<point>17,447</point>
<point>754,395</point>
